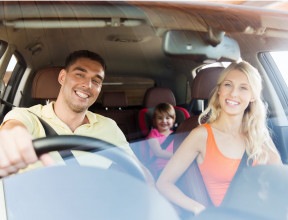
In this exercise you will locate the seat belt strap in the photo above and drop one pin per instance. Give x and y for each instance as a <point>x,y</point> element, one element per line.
<point>50,132</point>
<point>167,141</point>
<point>164,145</point>
<point>243,164</point>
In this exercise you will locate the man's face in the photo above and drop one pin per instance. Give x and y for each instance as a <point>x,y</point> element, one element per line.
<point>81,84</point>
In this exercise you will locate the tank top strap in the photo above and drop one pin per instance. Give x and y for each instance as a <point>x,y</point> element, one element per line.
<point>211,143</point>
<point>208,128</point>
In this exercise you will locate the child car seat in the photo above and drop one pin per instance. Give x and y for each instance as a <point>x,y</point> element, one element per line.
<point>153,97</point>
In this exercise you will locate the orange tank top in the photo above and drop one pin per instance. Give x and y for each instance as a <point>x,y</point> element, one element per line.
<point>217,170</point>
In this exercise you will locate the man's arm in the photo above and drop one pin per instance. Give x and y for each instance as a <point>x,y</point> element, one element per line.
<point>16,149</point>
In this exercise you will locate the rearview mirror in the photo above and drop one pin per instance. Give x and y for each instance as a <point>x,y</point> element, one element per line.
<point>192,43</point>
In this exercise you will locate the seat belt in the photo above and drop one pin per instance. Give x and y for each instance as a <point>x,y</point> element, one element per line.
<point>167,141</point>
<point>49,131</point>
<point>164,145</point>
<point>243,164</point>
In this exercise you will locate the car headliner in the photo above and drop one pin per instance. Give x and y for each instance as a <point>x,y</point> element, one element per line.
<point>130,46</point>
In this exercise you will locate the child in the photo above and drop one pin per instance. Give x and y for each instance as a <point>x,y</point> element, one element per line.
<point>163,120</point>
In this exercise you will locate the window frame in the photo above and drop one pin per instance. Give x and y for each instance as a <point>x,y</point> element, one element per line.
<point>276,78</point>
<point>13,83</point>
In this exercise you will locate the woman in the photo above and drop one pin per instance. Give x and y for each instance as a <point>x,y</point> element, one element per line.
<point>235,122</point>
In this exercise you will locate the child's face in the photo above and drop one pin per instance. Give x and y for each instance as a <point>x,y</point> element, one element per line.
<point>164,122</point>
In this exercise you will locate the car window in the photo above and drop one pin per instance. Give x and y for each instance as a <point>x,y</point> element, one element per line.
<point>280,59</point>
<point>10,69</point>
<point>11,78</point>
<point>274,64</point>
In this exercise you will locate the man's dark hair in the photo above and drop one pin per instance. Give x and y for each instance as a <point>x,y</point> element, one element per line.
<point>74,56</point>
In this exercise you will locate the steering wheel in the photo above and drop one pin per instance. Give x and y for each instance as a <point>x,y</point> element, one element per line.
<point>77,192</point>
<point>88,144</point>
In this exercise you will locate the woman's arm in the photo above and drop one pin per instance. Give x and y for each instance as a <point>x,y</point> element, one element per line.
<point>157,150</point>
<point>188,151</point>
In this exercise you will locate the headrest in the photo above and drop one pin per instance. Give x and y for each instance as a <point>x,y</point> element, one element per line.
<point>114,99</point>
<point>205,82</point>
<point>45,84</point>
<point>156,95</point>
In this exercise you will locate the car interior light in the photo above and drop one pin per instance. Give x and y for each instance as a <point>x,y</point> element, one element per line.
<point>132,23</point>
<point>189,47</point>
<point>125,38</point>
<point>114,22</point>
<point>54,24</point>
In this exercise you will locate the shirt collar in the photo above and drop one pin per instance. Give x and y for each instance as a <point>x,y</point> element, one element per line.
<point>48,112</point>
<point>92,117</point>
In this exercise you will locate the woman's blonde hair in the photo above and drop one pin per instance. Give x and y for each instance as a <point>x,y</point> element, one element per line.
<point>254,125</point>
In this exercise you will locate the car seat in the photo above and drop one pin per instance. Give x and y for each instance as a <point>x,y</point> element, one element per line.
<point>201,89</point>
<point>191,182</point>
<point>153,97</point>
<point>45,84</point>
<point>114,105</point>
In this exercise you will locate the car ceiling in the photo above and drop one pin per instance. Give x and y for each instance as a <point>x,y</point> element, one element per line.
<point>129,34</point>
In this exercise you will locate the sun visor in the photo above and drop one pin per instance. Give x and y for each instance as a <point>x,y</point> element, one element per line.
<point>197,44</point>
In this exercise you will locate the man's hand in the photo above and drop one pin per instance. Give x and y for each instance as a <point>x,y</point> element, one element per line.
<point>16,149</point>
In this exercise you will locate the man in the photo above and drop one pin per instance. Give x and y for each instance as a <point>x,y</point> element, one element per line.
<point>81,82</point>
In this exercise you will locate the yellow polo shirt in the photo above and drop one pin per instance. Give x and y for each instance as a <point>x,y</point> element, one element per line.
<point>100,127</point>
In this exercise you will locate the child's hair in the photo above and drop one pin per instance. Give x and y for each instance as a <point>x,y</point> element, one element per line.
<point>254,119</point>
<point>163,108</point>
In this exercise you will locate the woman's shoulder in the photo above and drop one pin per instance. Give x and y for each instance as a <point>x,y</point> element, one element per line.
<point>196,140</point>
<point>199,133</point>
<point>201,129</point>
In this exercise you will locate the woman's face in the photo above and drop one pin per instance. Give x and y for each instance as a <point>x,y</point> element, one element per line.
<point>235,93</point>
<point>164,122</point>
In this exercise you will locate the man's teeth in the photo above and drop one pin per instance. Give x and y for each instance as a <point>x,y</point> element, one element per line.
<point>231,102</point>
<point>82,95</point>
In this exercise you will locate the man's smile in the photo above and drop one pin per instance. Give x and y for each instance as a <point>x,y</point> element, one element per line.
<point>82,94</point>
